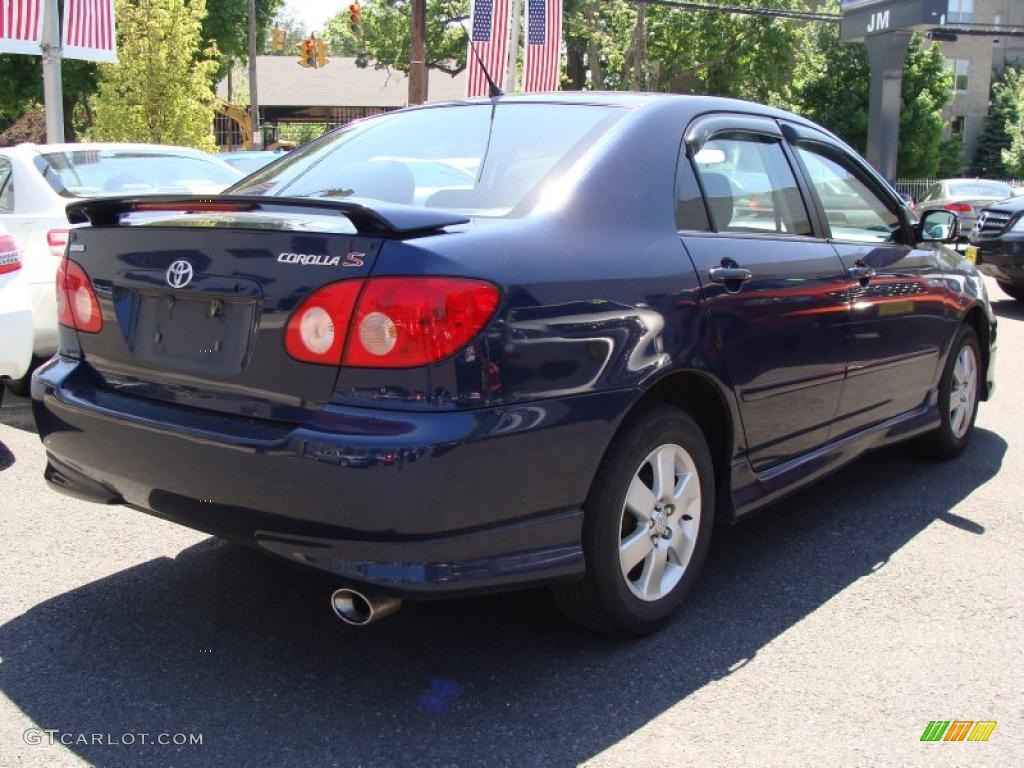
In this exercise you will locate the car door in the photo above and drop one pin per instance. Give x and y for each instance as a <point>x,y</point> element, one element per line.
<point>776,292</point>
<point>897,311</point>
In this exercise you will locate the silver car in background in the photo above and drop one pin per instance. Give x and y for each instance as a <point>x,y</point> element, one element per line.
<point>967,198</point>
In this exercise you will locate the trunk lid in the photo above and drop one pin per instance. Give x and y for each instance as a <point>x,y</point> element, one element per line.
<point>195,305</point>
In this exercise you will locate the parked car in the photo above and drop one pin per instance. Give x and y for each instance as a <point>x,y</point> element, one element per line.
<point>249,161</point>
<point>564,374</point>
<point>997,245</point>
<point>15,313</point>
<point>38,181</point>
<point>965,197</point>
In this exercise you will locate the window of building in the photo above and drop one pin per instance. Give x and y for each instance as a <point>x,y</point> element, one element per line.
<point>960,69</point>
<point>960,12</point>
<point>956,127</point>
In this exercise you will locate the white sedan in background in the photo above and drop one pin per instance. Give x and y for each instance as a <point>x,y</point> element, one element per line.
<point>15,313</point>
<point>38,181</point>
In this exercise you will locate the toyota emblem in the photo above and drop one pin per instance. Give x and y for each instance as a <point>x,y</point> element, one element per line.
<point>179,274</point>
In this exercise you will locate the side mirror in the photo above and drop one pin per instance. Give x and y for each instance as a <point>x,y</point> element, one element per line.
<point>938,226</point>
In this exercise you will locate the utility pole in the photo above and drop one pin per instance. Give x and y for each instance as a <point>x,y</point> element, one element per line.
<point>254,99</point>
<point>418,53</point>
<point>639,47</point>
<point>53,87</point>
<point>513,47</point>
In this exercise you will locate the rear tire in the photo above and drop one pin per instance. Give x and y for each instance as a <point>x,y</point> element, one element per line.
<point>959,392</point>
<point>646,528</point>
<point>1011,290</point>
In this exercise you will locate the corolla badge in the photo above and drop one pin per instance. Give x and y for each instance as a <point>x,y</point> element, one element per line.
<point>179,274</point>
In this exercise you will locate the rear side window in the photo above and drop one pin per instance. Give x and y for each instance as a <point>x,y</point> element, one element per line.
<point>853,211</point>
<point>750,187</point>
<point>6,187</point>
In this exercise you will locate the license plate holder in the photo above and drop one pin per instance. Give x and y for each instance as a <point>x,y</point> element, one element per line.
<point>202,333</point>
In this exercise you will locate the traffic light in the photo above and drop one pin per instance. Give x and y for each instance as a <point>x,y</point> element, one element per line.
<point>277,39</point>
<point>307,53</point>
<point>355,19</point>
<point>321,53</point>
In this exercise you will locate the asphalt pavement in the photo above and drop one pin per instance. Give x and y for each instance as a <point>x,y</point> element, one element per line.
<point>827,631</point>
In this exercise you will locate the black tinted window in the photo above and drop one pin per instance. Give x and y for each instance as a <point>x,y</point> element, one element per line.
<point>750,187</point>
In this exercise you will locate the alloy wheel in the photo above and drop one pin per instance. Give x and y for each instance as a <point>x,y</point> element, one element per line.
<point>964,392</point>
<point>660,522</point>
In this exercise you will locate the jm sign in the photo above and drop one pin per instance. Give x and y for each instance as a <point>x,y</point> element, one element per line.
<point>865,18</point>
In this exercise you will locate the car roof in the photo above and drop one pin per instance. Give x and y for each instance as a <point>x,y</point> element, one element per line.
<point>694,104</point>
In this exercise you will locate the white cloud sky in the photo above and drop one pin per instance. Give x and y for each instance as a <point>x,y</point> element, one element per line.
<point>312,14</point>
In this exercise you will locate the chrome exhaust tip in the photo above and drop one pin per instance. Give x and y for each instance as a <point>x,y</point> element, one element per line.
<point>359,609</point>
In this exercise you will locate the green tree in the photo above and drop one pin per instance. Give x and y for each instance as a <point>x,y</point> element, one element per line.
<point>160,91</point>
<point>385,43</point>
<point>747,57</point>
<point>831,83</point>
<point>1013,156</point>
<point>1003,111</point>
<point>226,26</point>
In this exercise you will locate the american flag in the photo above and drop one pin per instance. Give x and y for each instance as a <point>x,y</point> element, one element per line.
<point>89,30</point>
<point>488,39</point>
<point>21,26</point>
<point>543,45</point>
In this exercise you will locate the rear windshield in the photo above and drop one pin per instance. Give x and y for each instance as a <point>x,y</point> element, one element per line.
<point>980,189</point>
<point>97,172</point>
<point>481,159</point>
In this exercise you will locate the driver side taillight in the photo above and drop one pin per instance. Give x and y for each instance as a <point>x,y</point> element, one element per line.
<point>77,305</point>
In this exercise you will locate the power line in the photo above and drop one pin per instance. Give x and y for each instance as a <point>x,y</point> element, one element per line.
<point>984,30</point>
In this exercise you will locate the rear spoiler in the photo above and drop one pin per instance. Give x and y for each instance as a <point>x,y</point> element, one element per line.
<point>368,216</point>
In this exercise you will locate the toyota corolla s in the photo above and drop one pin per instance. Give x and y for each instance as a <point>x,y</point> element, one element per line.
<point>616,321</point>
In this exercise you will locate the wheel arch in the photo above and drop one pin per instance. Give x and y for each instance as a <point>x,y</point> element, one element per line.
<point>712,406</point>
<point>975,317</point>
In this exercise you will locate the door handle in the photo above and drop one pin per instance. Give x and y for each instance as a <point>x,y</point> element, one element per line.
<point>729,274</point>
<point>861,272</point>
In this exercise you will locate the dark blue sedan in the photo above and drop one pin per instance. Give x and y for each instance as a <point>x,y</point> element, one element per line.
<point>598,325</point>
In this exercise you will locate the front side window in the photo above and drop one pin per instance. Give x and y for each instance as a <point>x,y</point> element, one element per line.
<point>6,186</point>
<point>853,211</point>
<point>749,186</point>
<point>482,160</point>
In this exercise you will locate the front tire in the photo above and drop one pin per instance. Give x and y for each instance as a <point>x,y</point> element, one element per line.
<point>959,392</point>
<point>647,526</point>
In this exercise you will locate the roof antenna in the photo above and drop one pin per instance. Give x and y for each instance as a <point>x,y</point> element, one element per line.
<point>495,91</point>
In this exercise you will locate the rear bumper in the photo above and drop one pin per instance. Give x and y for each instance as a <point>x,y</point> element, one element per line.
<point>410,503</point>
<point>44,313</point>
<point>1002,259</point>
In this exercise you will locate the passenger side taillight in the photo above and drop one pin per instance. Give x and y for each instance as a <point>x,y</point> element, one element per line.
<point>77,305</point>
<point>404,322</point>
<point>57,239</point>
<point>10,261</point>
<point>390,322</point>
<point>959,207</point>
<point>316,330</point>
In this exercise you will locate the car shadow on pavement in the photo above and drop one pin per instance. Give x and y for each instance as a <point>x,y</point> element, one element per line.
<point>17,412</point>
<point>227,643</point>
<point>1009,309</point>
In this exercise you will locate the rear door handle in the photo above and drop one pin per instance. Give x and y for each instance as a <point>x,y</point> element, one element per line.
<point>729,274</point>
<point>861,272</point>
